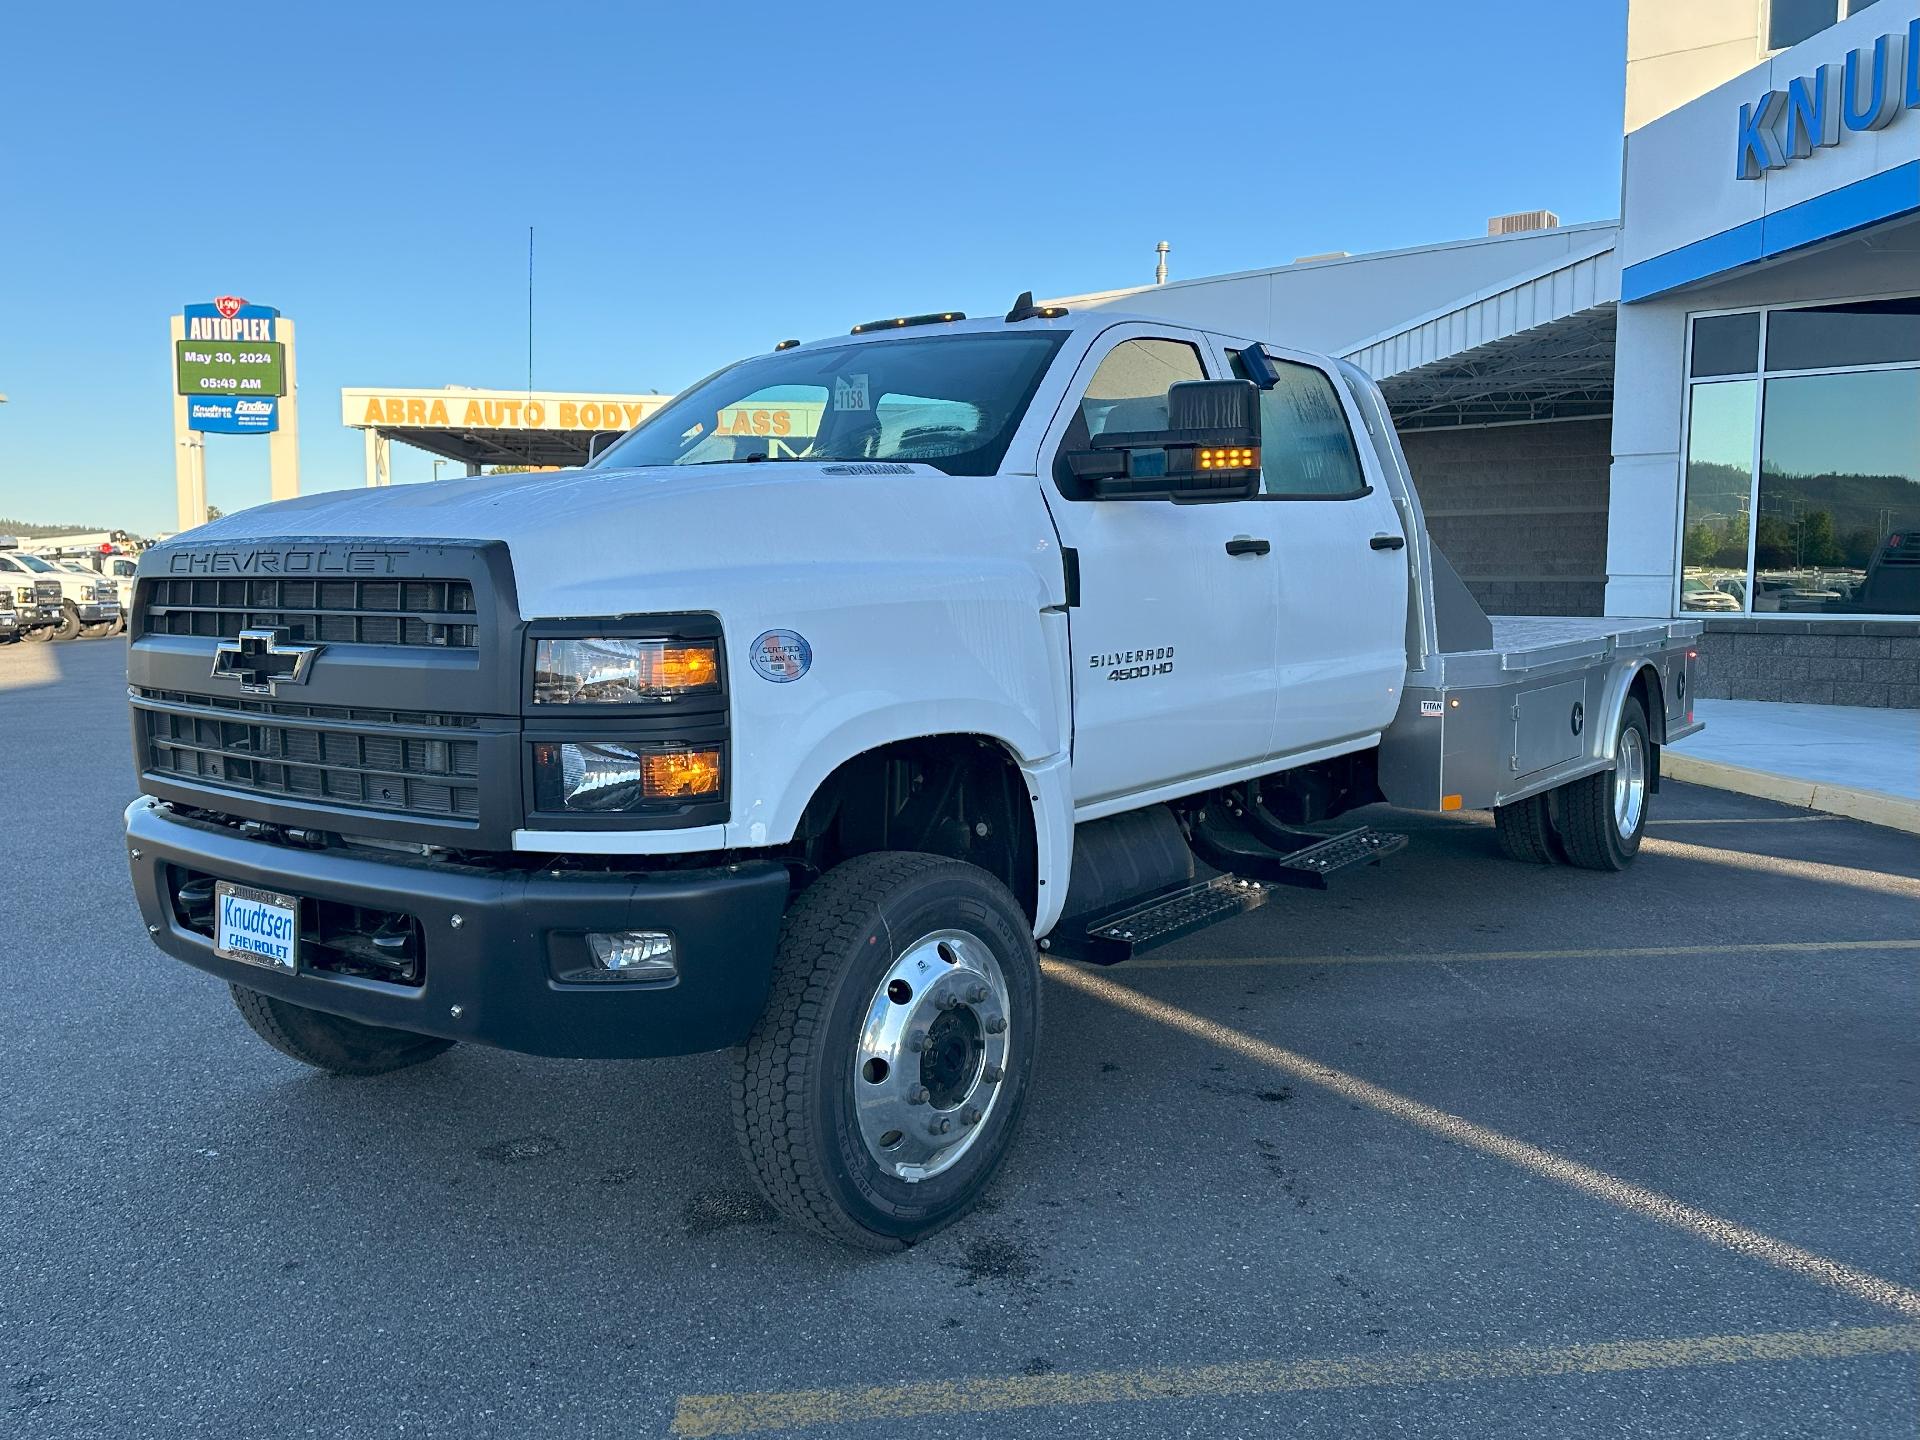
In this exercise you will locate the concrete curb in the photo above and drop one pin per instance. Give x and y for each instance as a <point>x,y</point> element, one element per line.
<point>1893,811</point>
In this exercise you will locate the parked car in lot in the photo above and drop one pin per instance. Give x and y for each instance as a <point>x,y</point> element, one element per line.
<point>89,605</point>
<point>39,611</point>
<point>807,747</point>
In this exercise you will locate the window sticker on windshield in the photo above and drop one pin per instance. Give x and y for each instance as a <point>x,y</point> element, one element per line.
<point>850,393</point>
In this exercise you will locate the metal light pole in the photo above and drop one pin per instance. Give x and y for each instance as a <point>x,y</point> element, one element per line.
<point>1160,270</point>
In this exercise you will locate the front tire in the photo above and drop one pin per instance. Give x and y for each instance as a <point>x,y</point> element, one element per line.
<point>883,1084</point>
<point>40,634</point>
<point>69,625</point>
<point>1603,817</point>
<point>330,1042</point>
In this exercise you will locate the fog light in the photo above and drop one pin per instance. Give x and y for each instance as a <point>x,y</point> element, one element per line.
<point>630,955</point>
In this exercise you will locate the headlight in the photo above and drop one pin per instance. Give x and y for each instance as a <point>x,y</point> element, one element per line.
<point>623,672</point>
<point>604,777</point>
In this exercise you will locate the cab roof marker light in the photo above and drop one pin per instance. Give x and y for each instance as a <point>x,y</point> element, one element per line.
<point>786,345</point>
<point>942,318</point>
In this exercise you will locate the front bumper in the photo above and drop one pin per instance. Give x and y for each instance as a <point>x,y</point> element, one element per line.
<point>98,612</point>
<point>9,624</point>
<point>492,940</point>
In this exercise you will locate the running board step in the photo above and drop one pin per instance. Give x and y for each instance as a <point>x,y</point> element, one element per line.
<point>1312,866</point>
<point>1169,916</point>
<point>1248,842</point>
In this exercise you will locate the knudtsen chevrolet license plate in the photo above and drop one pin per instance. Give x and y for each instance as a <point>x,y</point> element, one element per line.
<point>261,927</point>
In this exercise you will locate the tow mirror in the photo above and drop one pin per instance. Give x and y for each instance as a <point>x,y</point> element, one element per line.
<point>599,441</point>
<point>1210,449</point>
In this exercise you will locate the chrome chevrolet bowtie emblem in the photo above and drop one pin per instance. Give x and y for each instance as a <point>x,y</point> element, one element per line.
<point>263,659</point>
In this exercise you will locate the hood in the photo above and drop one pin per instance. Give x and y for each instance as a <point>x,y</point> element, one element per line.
<point>683,529</point>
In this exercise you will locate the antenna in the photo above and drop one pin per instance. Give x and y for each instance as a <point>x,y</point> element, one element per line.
<point>1160,270</point>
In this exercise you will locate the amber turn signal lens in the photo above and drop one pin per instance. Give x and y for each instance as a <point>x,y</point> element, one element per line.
<point>1228,457</point>
<point>673,773</point>
<point>681,667</point>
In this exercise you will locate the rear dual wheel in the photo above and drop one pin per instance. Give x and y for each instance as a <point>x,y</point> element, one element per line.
<point>1596,822</point>
<point>884,1082</point>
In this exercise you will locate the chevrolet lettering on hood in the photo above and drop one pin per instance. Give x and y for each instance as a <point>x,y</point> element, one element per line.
<point>316,560</point>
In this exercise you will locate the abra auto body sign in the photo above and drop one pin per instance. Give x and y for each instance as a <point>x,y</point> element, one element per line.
<point>1875,85</point>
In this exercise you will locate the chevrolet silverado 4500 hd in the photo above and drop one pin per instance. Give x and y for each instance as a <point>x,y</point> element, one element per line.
<point>810,714</point>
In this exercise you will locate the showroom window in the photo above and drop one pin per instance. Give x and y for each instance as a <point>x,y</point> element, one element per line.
<point>1802,486</point>
<point>1791,21</point>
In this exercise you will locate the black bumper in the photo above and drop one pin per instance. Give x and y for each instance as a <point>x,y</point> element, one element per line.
<point>493,940</point>
<point>98,612</point>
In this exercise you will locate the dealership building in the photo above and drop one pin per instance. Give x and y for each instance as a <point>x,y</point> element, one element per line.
<point>1707,408</point>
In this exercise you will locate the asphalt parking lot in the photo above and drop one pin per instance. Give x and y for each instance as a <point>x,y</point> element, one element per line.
<point>1460,1148</point>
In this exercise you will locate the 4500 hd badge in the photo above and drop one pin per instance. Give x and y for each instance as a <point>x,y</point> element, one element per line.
<point>1133,664</point>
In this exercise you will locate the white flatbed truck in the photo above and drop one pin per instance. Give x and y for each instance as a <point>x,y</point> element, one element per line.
<point>805,718</point>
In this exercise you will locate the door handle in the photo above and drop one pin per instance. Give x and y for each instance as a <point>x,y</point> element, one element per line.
<point>1247,545</point>
<point>1388,542</point>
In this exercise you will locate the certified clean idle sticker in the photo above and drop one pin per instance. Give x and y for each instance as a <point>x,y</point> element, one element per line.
<point>781,655</point>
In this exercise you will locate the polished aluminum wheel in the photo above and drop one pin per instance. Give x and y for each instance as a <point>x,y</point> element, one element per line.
<point>1629,782</point>
<point>932,1054</point>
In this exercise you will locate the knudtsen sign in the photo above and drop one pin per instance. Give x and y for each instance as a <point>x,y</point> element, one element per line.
<point>1816,111</point>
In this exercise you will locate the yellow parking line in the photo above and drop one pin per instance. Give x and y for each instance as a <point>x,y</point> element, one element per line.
<point>1461,957</point>
<point>1851,877</point>
<point>1624,1194</point>
<point>746,1413</point>
<point>1755,820</point>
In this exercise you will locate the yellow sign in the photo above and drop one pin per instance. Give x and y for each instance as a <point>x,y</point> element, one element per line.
<point>493,410</point>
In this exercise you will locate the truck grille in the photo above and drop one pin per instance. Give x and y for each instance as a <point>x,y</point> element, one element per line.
<point>439,613</point>
<point>395,761</point>
<point>46,592</point>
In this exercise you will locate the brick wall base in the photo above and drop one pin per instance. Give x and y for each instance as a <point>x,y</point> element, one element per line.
<point>1819,662</point>
<point>1521,511</point>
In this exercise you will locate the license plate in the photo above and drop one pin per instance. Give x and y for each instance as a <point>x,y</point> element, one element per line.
<point>261,927</point>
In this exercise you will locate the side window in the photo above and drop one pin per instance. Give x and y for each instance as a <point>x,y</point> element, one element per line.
<point>8,566</point>
<point>1128,391</point>
<point>1306,445</point>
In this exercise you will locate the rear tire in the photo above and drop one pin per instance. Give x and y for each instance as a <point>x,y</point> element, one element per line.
<point>330,1042</point>
<point>97,632</point>
<point>883,1084</point>
<point>1603,817</point>
<point>1526,833</point>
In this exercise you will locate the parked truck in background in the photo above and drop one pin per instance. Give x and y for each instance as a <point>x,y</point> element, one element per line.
<point>804,721</point>
<point>37,601</point>
<point>89,605</point>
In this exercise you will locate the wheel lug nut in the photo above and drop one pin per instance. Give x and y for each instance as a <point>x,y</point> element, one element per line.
<point>970,1115</point>
<point>996,1023</point>
<point>992,1074</point>
<point>917,1041</point>
<point>977,994</point>
<point>947,1000</point>
<point>939,1126</point>
<point>917,1095</point>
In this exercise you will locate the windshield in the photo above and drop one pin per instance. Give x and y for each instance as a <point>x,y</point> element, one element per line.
<point>36,564</point>
<point>950,401</point>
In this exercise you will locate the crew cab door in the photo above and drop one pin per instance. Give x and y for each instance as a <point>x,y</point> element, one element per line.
<point>1172,636</point>
<point>1340,560</point>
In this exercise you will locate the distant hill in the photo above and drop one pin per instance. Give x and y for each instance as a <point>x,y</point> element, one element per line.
<point>36,532</point>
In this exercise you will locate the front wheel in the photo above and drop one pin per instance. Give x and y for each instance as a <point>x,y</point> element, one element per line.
<point>69,625</point>
<point>40,634</point>
<point>330,1042</point>
<point>884,1082</point>
<point>1603,817</point>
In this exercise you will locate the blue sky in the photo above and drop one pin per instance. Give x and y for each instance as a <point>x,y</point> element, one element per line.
<point>704,181</point>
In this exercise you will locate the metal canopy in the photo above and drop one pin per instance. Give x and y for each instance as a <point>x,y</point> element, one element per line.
<point>498,447</point>
<point>1537,347</point>
<point>1559,371</point>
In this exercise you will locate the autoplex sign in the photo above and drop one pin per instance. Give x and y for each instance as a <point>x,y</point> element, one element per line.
<point>480,412</point>
<point>1866,93</point>
<point>231,351</point>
